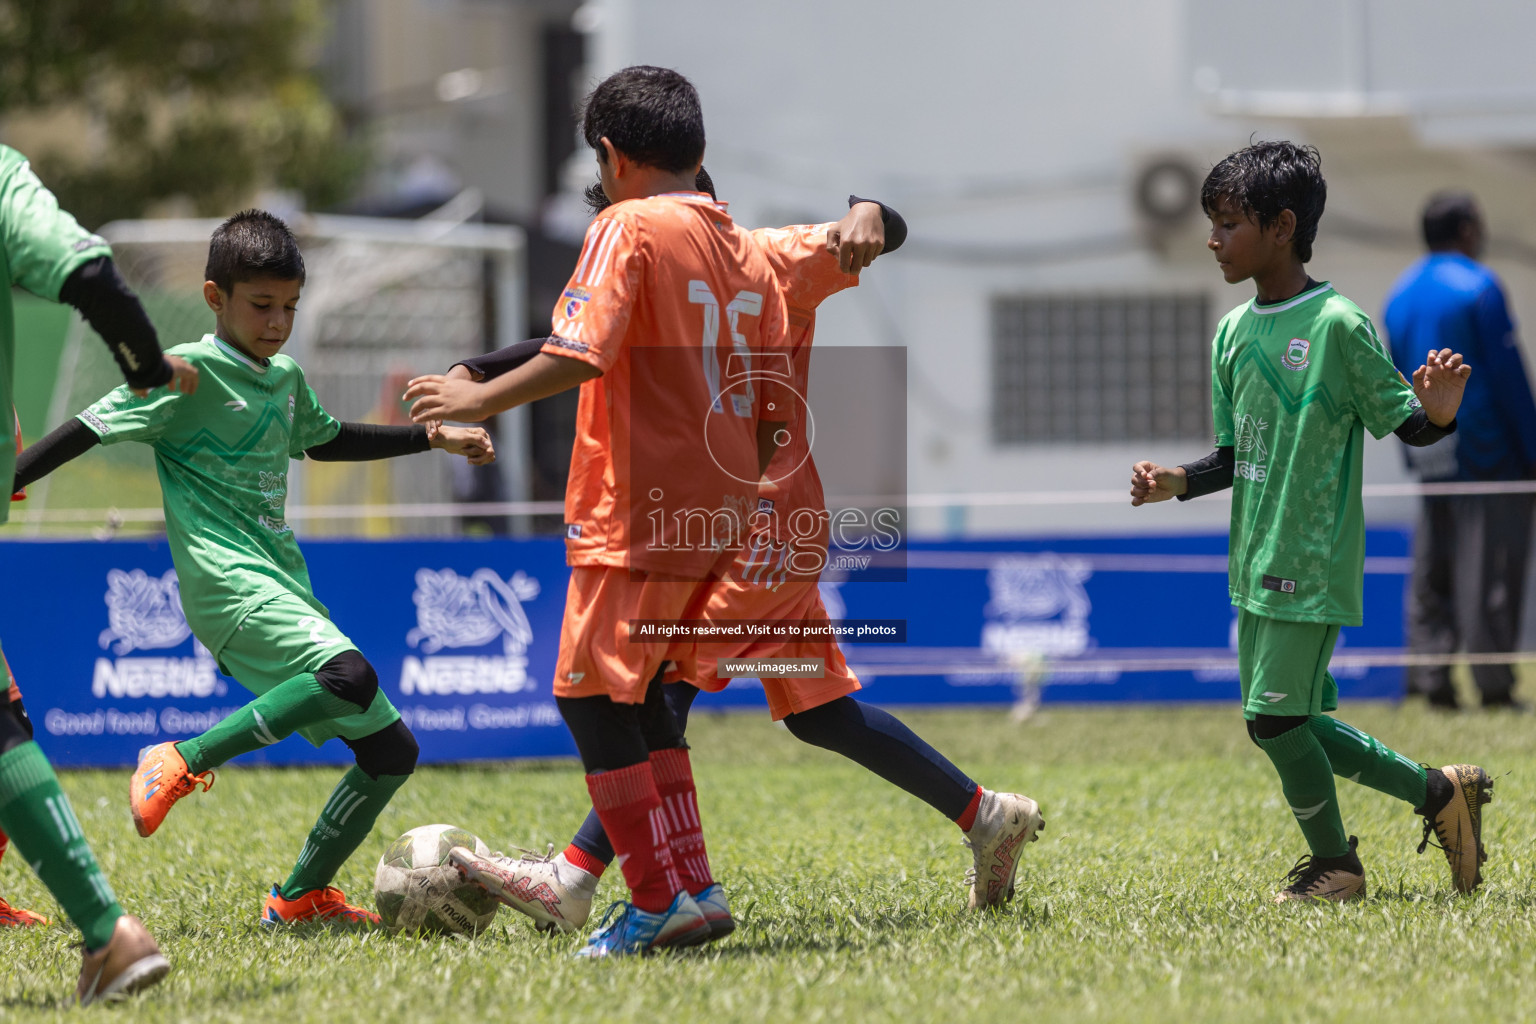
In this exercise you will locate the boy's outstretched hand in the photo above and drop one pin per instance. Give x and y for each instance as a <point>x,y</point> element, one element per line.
<point>1439,385</point>
<point>1151,482</point>
<point>858,238</point>
<point>183,378</point>
<point>440,397</point>
<point>471,442</point>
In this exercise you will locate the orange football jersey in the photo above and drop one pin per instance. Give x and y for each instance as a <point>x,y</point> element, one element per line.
<point>681,311</point>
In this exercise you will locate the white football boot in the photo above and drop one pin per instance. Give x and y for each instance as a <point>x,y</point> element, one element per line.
<point>1004,823</point>
<point>551,890</point>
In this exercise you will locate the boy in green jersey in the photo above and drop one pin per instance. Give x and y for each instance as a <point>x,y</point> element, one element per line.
<point>44,251</point>
<point>1297,376</point>
<point>222,456</point>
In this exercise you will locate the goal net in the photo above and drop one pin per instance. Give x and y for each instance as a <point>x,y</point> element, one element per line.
<point>384,300</point>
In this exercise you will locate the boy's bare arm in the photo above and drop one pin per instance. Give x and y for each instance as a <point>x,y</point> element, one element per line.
<point>440,397</point>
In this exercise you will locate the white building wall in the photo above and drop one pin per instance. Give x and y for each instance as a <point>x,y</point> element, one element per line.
<point>1010,133</point>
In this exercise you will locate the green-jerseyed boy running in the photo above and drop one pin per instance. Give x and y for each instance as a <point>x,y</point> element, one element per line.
<point>222,456</point>
<point>1297,376</point>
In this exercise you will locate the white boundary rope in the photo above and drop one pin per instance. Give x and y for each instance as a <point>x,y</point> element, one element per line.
<point>993,499</point>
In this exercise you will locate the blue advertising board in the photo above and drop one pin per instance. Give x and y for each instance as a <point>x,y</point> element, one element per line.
<point>464,634</point>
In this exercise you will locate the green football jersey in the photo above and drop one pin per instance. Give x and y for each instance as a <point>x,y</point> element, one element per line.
<point>222,456</point>
<point>40,246</point>
<point>1293,387</point>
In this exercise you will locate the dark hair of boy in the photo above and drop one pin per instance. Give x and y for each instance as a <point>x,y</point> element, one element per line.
<point>651,115</point>
<point>597,200</point>
<point>1445,216</point>
<point>250,245</point>
<point>1266,178</point>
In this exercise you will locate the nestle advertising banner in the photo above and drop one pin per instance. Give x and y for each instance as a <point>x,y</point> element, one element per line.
<point>464,634</point>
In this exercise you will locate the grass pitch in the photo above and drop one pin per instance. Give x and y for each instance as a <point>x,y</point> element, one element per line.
<point>1147,897</point>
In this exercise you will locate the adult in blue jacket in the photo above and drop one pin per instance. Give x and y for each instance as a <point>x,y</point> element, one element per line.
<point>1469,551</point>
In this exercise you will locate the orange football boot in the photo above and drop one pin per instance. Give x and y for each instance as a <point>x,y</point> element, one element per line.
<point>328,904</point>
<point>159,781</point>
<point>15,917</point>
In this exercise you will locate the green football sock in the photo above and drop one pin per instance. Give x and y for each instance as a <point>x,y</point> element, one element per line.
<point>1306,778</point>
<point>271,717</point>
<point>1366,760</point>
<point>36,814</point>
<point>345,822</point>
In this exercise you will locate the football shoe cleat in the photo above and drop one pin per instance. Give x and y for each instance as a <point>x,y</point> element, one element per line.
<point>1004,823</point>
<point>1336,879</point>
<point>627,930</point>
<point>551,890</point>
<point>1458,823</point>
<point>16,917</point>
<point>128,963</point>
<point>158,782</point>
<point>328,904</point>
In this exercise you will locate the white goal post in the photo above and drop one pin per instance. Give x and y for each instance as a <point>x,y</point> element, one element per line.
<point>384,300</point>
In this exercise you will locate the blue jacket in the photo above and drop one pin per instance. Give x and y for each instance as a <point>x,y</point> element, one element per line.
<point>1447,300</point>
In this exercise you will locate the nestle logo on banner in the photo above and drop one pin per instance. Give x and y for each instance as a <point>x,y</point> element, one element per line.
<point>1038,606</point>
<point>144,614</point>
<point>460,612</point>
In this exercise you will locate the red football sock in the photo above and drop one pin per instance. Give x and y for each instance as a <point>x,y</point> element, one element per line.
<point>674,781</point>
<point>629,807</point>
<point>967,817</point>
<point>577,857</point>
<point>5,841</point>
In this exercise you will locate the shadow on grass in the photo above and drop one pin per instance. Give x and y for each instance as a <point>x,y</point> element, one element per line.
<point>759,934</point>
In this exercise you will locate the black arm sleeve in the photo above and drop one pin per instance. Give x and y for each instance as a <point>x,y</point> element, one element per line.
<point>895,227</point>
<point>70,441</point>
<point>101,295</point>
<point>1419,432</point>
<point>494,364</point>
<point>1209,475</point>
<point>361,442</point>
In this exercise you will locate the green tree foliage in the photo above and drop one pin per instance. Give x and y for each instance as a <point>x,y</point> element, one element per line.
<point>206,99</point>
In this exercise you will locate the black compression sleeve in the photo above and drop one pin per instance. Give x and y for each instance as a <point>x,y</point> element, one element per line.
<point>70,441</point>
<point>494,364</point>
<point>101,295</point>
<point>895,226</point>
<point>1418,431</point>
<point>361,442</point>
<point>1209,475</point>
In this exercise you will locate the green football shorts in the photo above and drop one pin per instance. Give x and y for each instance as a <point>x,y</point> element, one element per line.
<point>1283,666</point>
<point>285,638</point>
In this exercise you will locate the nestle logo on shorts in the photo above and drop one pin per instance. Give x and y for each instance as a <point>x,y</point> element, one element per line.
<point>772,668</point>
<point>1284,586</point>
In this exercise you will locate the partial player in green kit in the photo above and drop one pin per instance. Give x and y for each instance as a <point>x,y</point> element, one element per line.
<point>222,456</point>
<point>1297,376</point>
<point>46,252</point>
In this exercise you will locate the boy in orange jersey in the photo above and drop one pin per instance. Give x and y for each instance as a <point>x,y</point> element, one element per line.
<point>776,577</point>
<point>663,273</point>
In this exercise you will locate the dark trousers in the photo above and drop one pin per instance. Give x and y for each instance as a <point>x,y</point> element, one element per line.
<point>1469,560</point>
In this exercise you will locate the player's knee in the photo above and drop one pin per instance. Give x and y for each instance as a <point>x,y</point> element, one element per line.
<point>390,751</point>
<point>15,727</point>
<point>820,725</point>
<point>350,677</point>
<point>1269,727</point>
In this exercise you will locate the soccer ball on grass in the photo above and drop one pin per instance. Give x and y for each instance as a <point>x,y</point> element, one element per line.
<point>416,888</point>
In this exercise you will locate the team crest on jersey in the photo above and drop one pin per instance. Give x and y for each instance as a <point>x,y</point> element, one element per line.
<point>1296,357</point>
<point>575,300</point>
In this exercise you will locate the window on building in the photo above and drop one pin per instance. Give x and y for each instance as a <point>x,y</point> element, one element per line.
<point>1100,368</point>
